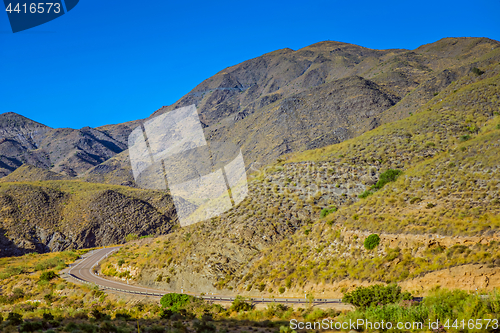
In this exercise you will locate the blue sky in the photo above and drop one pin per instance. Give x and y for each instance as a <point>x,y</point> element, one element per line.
<point>113,61</point>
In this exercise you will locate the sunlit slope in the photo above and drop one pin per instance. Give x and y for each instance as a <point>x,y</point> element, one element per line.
<point>447,152</point>
<point>56,215</point>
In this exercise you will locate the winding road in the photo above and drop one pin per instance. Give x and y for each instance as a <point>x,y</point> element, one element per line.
<point>83,272</point>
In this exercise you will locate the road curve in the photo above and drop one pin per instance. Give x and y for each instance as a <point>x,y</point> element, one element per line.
<point>83,271</point>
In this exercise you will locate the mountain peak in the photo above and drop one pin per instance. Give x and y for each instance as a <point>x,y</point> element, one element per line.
<point>12,119</point>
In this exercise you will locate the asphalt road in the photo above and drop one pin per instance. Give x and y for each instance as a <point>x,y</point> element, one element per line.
<point>83,271</point>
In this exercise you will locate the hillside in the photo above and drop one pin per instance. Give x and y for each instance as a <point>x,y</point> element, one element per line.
<point>56,215</point>
<point>306,218</point>
<point>281,102</point>
<point>68,188</point>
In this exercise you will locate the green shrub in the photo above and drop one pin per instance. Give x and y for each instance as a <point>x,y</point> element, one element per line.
<point>47,276</point>
<point>464,137</point>
<point>371,241</point>
<point>48,316</point>
<point>97,314</point>
<point>121,261</point>
<point>325,211</point>
<point>387,177</point>
<point>240,304</point>
<point>131,237</point>
<point>477,71</point>
<point>50,263</point>
<point>124,316</point>
<point>281,290</point>
<point>166,313</point>
<point>415,200</point>
<point>14,318</point>
<point>364,297</point>
<point>107,327</point>
<point>202,326</point>
<point>498,126</point>
<point>365,194</point>
<point>262,286</point>
<point>31,326</point>
<point>174,301</point>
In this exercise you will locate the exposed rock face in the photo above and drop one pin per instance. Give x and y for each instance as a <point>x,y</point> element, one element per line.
<point>66,151</point>
<point>466,277</point>
<point>61,216</point>
<point>442,211</point>
<point>283,101</point>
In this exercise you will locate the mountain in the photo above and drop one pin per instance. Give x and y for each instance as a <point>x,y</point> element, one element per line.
<point>305,223</point>
<point>56,215</point>
<point>281,102</point>
<point>64,150</point>
<point>73,188</point>
<point>289,101</point>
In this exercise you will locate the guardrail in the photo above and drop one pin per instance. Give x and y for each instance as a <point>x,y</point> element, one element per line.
<point>215,298</point>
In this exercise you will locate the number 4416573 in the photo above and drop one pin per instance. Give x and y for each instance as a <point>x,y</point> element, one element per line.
<point>33,8</point>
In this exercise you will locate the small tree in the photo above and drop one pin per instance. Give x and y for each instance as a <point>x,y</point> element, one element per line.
<point>364,297</point>
<point>477,71</point>
<point>371,241</point>
<point>240,304</point>
<point>174,301</point>
<point>47,276</point>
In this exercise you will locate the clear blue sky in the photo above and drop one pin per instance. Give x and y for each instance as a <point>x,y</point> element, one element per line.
<point>113,61</point>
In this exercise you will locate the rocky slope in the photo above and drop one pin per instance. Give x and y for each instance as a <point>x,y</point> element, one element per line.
<point>304,222</point>
<point>45,216</point>
<point>281,102</point>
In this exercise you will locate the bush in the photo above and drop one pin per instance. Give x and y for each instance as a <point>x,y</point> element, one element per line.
<point>464,137</point>
<point>17,293</point>
<point>31,326</point>
<point>387,177</point>
<point>50,263</point>
<point>262,286</point>
<point>281,290</point>
<point>47,276</point>
<point>239,304</point>
<point>166,313</point>
<point>174,301</point>
<point>498,126</point>
<point>14,318</point>
<point>326,211</point>
<point>364,297</point>
<point>156,329</point>
<point>371,241</point>
<point>201,326</point>
<point>131,237</point>
<point>477,71</point>
<point>48,316</point>
<point>108,327</point>
<point>365,194</point>
<point>415,200</point>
